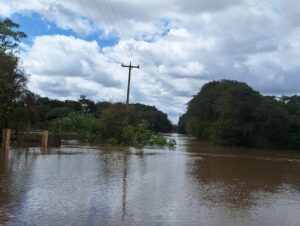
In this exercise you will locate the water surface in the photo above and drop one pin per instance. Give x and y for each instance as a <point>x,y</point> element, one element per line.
<point>194,184</point>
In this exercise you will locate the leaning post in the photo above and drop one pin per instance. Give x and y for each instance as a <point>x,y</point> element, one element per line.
<point>6,139</point>
<point>45,139</point>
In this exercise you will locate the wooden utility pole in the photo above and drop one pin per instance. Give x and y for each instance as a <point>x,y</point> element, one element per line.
<point>129,78</point>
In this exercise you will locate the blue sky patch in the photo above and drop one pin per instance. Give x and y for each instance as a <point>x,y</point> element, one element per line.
<point>35,25</point>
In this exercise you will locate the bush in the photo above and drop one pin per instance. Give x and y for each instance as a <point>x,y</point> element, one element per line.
<point>112,141</point>
<point>86,126</point>
<point>294,141</point>
<point>158,139</point>
<point>138,136</point>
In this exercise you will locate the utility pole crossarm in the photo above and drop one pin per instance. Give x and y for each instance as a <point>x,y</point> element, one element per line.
<point>131,66</point>
<point>129,78</point>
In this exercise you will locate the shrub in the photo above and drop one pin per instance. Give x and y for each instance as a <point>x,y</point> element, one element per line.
<point>86,126</point>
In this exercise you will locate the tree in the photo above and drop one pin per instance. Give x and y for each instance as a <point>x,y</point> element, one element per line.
<point>12,79</point>
<point>222,112</point>
<point>272,121</point>
<point>10,36</point>
<point>87,105</point>
<point>12,85</point>
<point>232,113</point>
<point>292,105</point>
<point>124,123</point>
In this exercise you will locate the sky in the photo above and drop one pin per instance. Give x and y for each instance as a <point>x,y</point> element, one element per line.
<point>76,47</point>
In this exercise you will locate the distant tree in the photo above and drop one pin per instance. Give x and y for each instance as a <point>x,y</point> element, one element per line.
<point>232,113</point>
<point>223,113</point>
<point>58,112</point>
<point>87,105</point>
<point>116,117</point>
<point>157,120</point>
<point>75,105</point>
<point>272,121</point>
<point>101,106</point>
<point>292,105</point>
<point>113,120</point>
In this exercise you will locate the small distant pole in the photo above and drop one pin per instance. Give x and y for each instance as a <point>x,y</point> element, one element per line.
<point>6,139</point>
<point>45,139</point>
<point>129,78</point>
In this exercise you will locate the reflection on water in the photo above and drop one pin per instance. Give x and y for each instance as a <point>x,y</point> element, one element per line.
<point>195,184</point>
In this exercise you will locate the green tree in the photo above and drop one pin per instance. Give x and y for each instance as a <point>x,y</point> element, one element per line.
<point>292,105</point>
<point>10,36</point>
<point>12,78</point>
<point>272,121</point>
<point>12,85</point>
<point>232,113</point>
<point>222,112</point>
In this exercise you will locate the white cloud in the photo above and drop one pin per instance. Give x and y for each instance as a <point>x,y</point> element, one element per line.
<point>180,45</point>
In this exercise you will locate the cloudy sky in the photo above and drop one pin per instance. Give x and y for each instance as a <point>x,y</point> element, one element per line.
<point>77,47</point>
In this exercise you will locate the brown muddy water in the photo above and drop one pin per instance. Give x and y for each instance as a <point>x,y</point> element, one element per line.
<point>194,184</point>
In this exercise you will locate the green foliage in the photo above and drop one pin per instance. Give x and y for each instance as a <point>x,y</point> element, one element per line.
<point>12,79</point>
<point>112,141</point>
<point>112,121</point>
<point>12,86</point>
<point>58,112</point>
<point>272,121</point>
<point>138,136</point>
<point>86,126</point>
<point>232,113</point>
<point>294,140</point>
<point>128,134</point>
<point>142,136</point>
<point>158,139</point>
<point>10,36</point>
<point>113,128</point>
<point>128,124</point>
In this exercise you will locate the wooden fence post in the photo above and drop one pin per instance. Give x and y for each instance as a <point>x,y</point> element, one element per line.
<point>45,139</point>
<point>6,139</point>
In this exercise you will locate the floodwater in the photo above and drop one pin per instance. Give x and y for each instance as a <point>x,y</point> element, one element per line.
<point>193,184</point>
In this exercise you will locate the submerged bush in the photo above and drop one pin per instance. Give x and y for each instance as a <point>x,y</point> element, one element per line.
<point>112,141</point>
<point>158,139</point>
<point>140,136</point>
<point>112,127</point>
<point>86,126</point>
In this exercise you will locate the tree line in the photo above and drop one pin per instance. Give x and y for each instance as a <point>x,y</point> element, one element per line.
<point>232,113</point>
<point>21,109</point>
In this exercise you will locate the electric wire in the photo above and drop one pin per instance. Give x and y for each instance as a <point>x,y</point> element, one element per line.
<point>114,16</point>
<point>103,16</point>
<point>87,13</point>
<point>117,19</point>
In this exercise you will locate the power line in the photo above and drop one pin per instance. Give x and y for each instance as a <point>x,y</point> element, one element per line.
<point>87,13</point>
<point>90,16</point>
<point>117,19</point>
<point>102,15</point>
<point>116,16</point>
